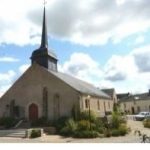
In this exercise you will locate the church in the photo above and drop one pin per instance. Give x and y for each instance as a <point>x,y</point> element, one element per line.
<point>43,91</point>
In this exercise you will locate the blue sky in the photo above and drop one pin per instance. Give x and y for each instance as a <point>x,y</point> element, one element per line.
<point>102,42</point>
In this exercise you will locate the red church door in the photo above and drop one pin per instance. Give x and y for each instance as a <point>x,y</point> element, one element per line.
<point>33,112</point>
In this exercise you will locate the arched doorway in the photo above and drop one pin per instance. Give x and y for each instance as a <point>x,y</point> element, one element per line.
<point>132,110</point>
<point>33,112</point>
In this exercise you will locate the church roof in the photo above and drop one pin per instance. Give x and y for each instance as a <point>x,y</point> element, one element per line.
<point>110,92</point>
<point>134,97</point>
<point>80,85</point>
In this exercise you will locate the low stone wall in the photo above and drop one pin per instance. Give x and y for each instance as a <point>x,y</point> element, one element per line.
<point>28,132</point>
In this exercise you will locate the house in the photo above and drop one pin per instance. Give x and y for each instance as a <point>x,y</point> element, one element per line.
<point>43,91</point>
<point>112,93</point>
<point>134,103</point>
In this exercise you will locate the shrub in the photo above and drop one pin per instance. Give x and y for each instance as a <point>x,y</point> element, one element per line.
<point>99,122</point>
<point>8,122</point>
<point>83,125</point>
<point>86,116</point>
<point>123,129</point>
<point>60,123</point>
<point>146,123</point>
<point>69,128</point>
<point>101,130</point>
<point>65,132</point>
<point>115,132</point>
<point>35,133</point>
<point>107,133</point>
<point>116,120</point>
<point>98,125</point>
<point>86,134</point>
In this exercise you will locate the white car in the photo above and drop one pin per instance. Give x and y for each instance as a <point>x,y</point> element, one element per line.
<point>142,115</point>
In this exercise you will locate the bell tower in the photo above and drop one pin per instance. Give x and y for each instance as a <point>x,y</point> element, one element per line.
<point>43,56</point>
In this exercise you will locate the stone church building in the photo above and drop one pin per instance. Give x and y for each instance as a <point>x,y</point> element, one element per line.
<point>43,91</point>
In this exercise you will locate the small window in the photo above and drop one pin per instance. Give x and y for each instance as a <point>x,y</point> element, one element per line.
<point>86,103</point>
<point>109,105</point>
<point>98,105</point>
<point>124,106</point>
<point>134,102</point>
<point>138,109</point>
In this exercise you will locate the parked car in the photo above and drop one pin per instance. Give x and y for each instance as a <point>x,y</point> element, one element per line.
<point>141,116</point>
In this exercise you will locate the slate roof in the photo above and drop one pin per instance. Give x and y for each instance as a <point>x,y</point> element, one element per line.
<point>135,97</point>
<point>123,95</point>
<point>109,92</point>
<point>80,85</point>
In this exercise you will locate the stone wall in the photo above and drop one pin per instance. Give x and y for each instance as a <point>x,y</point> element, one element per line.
<point>29,87</point>
<point>105,105</point>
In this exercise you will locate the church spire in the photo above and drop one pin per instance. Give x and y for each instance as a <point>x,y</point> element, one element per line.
<point>43,56</point>
<point>44,39</point>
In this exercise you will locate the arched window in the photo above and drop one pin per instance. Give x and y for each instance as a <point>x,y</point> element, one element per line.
<point>109,105</point>
<point>45,102</point>
<point>12,107</point>
<point>86,103</point>
<point>98,105</point>
<point>56,106</point>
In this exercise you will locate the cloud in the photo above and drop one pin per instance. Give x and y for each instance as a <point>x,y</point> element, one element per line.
<point>142,58</point>
<point>8,59</point>
<point>91,22</point>
<point>6,80</point>
<point>23,68</point>
<point>4,88</point>
<point>119,68</point>
<point>120,72</point>
<point>139,40</point>
<point>81,65</point>
<point>8,76</point>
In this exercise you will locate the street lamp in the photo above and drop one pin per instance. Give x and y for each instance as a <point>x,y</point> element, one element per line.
<point>88,98</point>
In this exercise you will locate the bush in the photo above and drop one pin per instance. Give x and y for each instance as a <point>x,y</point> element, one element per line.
<point>60,123</point>
<point>115,132</point>
<point>146,123</point>
<point>99,123</point>
<point>65,131</point>
<point>83,125</point>
<point>101,130</point>
<point>85,116</point>
<point>123,129</point>
<point>8,122</point>
<point>69,128</point>
<point>86,134</point>
<point>35,133</point>
<point>107,133</point>
<point>116,120</point>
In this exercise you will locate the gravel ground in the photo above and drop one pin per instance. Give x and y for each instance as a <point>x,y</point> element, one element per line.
<point>130,138</point>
